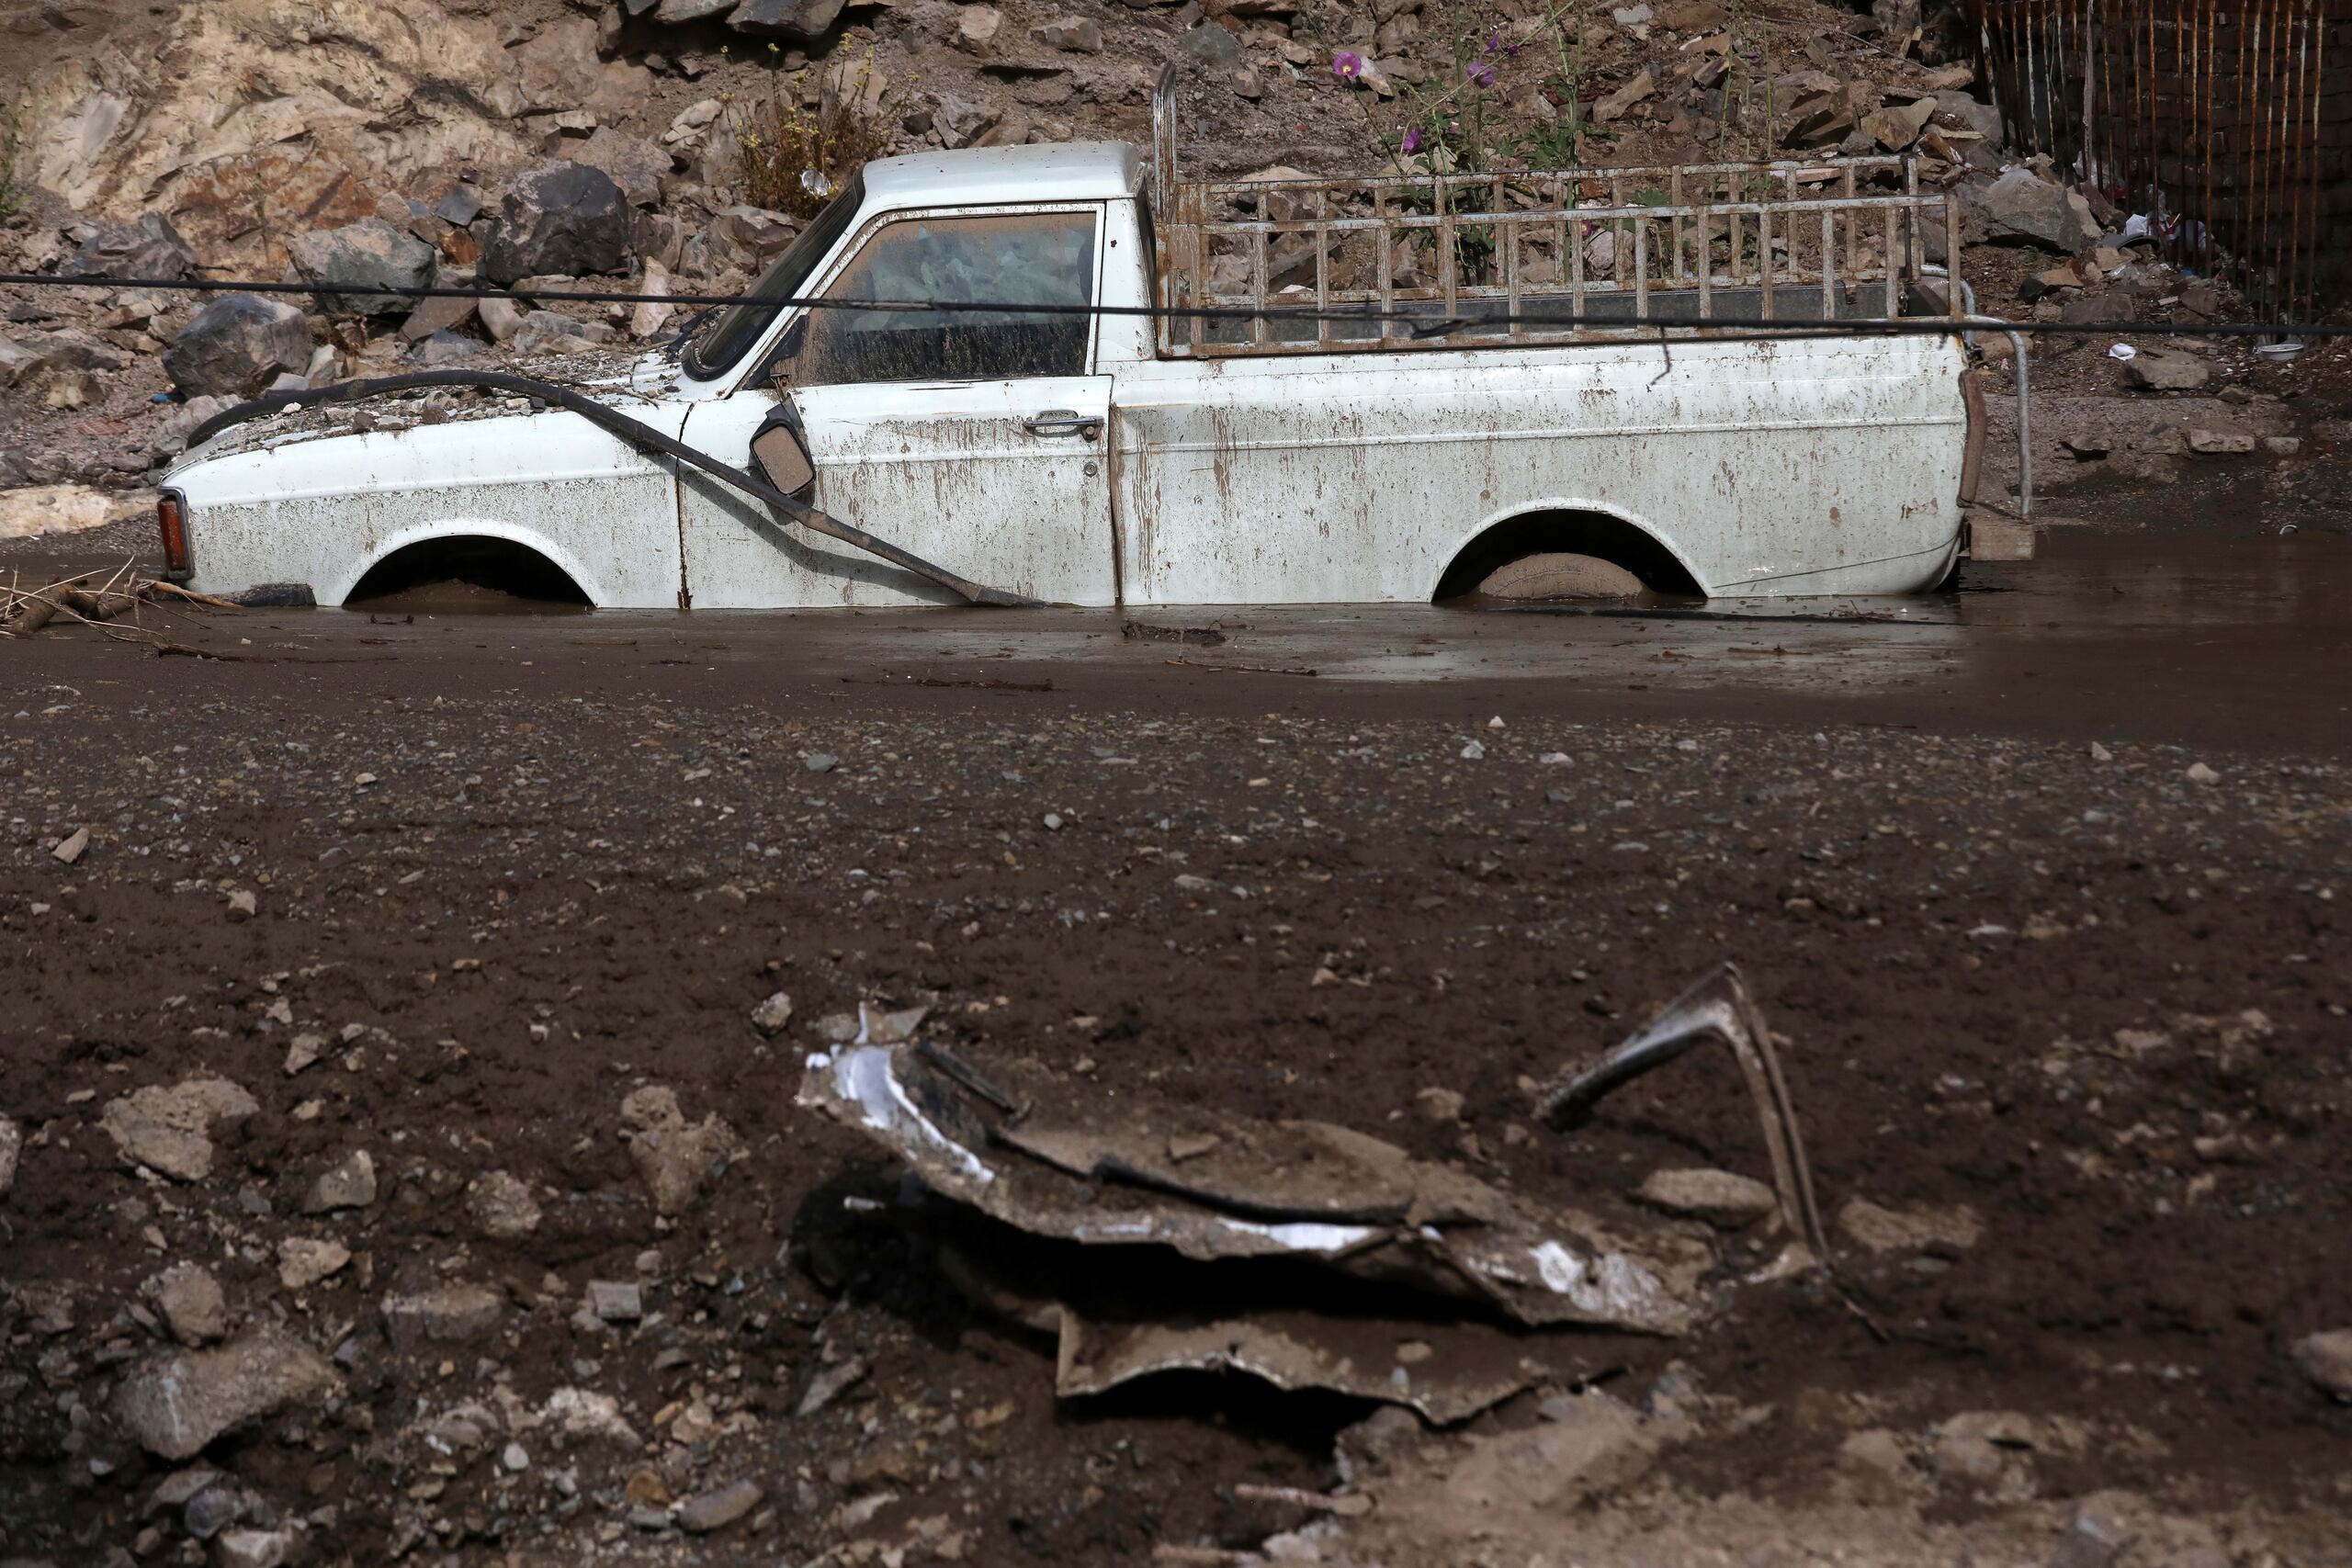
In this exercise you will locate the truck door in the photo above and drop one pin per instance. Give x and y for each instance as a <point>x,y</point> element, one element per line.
<point>975,439</point>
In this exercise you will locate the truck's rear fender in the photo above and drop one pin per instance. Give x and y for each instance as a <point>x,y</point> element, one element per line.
<point>1578,525</point>
<point>453,530</point>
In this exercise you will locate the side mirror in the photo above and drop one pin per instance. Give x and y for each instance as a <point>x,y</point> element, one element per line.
<point>780,452</point>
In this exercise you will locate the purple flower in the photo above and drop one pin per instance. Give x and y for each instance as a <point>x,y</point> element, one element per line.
<point>1412,143</point>
<point>1479,75</point>
<point>1494,41</point>
<point>1347,65</point>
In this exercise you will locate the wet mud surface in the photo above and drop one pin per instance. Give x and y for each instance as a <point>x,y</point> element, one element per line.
<point>2076,1016</point>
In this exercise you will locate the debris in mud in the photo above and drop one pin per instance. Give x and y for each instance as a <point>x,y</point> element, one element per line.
<point>1191,637</point>
<point>1344,1263</point>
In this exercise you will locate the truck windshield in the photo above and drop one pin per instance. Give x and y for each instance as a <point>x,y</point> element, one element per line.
<point>724,338</point>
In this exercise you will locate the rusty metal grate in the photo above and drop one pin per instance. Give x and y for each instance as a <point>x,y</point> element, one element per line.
<point>2227,122</point>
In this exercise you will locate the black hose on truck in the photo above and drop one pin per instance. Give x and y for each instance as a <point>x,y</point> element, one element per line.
<point>638,434</point>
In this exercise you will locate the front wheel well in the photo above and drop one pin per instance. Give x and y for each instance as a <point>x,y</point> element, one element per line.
<point>485,561</point>
<point>1600,535</point>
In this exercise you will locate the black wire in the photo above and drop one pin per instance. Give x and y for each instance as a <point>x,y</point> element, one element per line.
<point>1721,328</point>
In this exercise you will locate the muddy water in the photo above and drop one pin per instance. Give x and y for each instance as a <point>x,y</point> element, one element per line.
<point>2196,639</point>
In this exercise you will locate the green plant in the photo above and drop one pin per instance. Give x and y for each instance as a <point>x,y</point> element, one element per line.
<point>793,159</point>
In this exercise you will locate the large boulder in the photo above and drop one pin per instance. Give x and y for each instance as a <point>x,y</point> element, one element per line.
<point>236,347</point>
<point>173,1405</point>
<point>370,253</point>
<point>2021,208</point>
<point>561,218</point>
<point>150,247</point>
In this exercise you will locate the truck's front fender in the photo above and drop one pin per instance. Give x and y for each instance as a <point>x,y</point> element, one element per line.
<point>337,590</point>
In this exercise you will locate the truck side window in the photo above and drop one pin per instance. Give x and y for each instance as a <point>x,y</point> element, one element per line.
<point>1031,258</point>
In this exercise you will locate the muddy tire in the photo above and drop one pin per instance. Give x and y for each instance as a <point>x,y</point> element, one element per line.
<point>1557,575</point>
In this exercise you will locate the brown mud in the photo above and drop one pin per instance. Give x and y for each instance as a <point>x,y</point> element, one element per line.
<point>528,863</point>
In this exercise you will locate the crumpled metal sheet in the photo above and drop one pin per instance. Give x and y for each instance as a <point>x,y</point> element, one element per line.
<point>1145,1170</point>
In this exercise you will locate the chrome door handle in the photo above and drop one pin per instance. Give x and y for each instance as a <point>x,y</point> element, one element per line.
<point>1064,422</point>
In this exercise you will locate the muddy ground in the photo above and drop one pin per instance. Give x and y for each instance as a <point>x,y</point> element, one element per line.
<point>2043,884</point>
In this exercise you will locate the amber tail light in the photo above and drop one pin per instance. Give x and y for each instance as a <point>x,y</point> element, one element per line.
<point>171,521</point>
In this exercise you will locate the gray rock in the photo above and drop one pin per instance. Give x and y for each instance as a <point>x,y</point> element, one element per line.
<point>2021,208</point>
<point>821,761</point>
<point>1722,1198</point>
<point>370,253</point>
<point>173,1405</point>
<point>213,1510</point>
<point>689,10</point>
<point>502,318</point>
<point>11,1144</point>
<point>805,19</point>
<point>253,1548</point>
<point>349,1183</point>
<point>1079,35</point>
<point>772,1015</point>
<point>305,1261</point>
<point>2098,1530</point>
<point>236,347</point>
<point>1211,45</point>
<point>460,205</point>
<point>192,1304</point>
<point>716,1510</point>
<point>68,348</point>
<point>441,1314</point>
<point>501,1205</point>
<point>2326,1359</point>
<point>633,164</point>
<point>549,332</point>
<point>615,1301</point>
<point>559,217</point>
<point>147,247</point>
<point>170,1130</point>
<point>2166,370</point>
<point>676,1159</point>
<point>439,315</point>
<point>445,348</point>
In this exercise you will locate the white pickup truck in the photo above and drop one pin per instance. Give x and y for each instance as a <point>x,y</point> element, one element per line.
<point>1437,402</point>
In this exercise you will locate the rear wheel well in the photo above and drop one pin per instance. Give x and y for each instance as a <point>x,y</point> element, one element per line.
<point>502,566</point>
<point>1595,534</point>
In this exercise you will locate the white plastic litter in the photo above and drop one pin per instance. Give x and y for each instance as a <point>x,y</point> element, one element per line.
<point>2123,351</point>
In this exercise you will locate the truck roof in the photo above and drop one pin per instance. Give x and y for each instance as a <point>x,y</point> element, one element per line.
<point>1065,171</point>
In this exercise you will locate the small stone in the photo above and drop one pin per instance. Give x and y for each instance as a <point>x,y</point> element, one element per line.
<point>253,1549</point>
<point>979,24</point>
<point>2282,446</point>
<point>303,1261</point>
<point>501,317</point>
<point>676,1159</point>
<point>2198,774</point>
<point>501,1205</point>
<point>170,1130</point>
<point>1439,1104</point>
<point>2100,753</point>
<point>1053,820</point>
<point>771,1016</point>
<point>1911,1230</point>
<point>68,849</point>
<point>514,1458</point>
<point>192,1304</point>
<point>302,1051</point>
<point>2166,370</point>
<point>1876,1451</point>
<point>1079,35</point>
<point>1191,1145</point>
<point>2098,1530</point>
<point>2219,443</point>
<point>441,1314</point>
<point>828,1384</point>
<point>213,1510</point>
<point>243,905</point>
<point>1474,752</point>
<point>1722,1199</point>
<point>615,1301</point>
<point>12,1144</point>
<point>349,1183</point>
<point>173,1405</point>
<point>821,761</point>
<point>716,1510</point>
<point>2326,1359</point>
